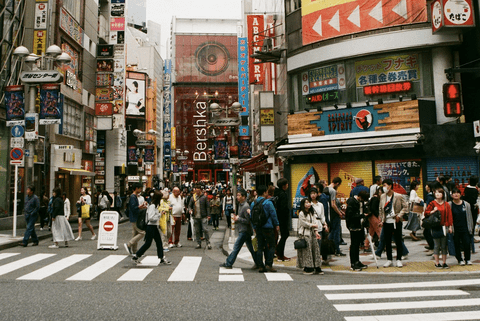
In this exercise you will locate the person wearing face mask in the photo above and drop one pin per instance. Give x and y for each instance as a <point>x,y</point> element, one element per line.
<point>391,210</point>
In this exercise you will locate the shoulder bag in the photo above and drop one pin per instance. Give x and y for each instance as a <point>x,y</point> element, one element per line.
<point>301,242</point>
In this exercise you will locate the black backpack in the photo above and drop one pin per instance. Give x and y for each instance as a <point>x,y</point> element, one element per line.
<point>142,219</point>
<point>259,217</point>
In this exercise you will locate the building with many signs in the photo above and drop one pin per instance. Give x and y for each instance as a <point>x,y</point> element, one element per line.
<point>366,93</point>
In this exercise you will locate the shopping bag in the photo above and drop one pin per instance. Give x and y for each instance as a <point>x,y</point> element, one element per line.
<point>86,211</point>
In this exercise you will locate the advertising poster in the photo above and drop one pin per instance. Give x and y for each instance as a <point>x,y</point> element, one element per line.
<point>31,126</point>
<point>104,80</point>
<point>104,65</point>
<point>148,156</point>
<point>103,109</point>
<point>132,155</point>
<point>51,104</point>
<point>70,26</point>
<point>402,173</point>
<point>323,79</point>
<point>135,97</point>
<point>387,70</point>
<point>349,172</point>
<point>244,147</point>
<point>104,51</point>
<point>104,93</point>
<point>221,148</point>
<point>117,24</point>
<point>458,168</point>
<point>304,176</point>
<point>15,105</point>
<point>267,116</point>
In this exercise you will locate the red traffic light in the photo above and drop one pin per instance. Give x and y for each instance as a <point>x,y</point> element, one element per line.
<point>452,99</point>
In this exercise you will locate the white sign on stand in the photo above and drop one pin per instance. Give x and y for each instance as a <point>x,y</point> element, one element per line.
<point>108,231</point>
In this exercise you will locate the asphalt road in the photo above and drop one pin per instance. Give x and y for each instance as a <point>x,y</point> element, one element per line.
<point>206,297</point>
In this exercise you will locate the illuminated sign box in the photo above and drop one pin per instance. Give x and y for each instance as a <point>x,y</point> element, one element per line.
<point>390,88</point>
<point>322,97</point>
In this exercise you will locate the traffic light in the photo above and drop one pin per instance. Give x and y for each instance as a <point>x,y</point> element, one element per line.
<point>452,99</point>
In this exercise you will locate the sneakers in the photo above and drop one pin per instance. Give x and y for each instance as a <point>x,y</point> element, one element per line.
<point>388,264</point>
<point>170,245</point>
<point>405,257</point>
<point>135,259</point>
<point>340,254</point>
<point>164,261</point>
<point>363,266</point>
<point>469,263</point>
<point>445,266</point>
<point>399,264</point>
<point>165,249</point>
<point>308,271</point>
<point>53,246</point>
<point>94,237</point>
<point>319,271</point>
<point>178,245</point>
<point>225,266</point>
<point>438,266</point>
<point>209,246</point>
<point>461,263</point>
<point>198,247</point>
<point>270,269</point>
<point>129,250</point>
<point>355,267</point>
<point>78,238</point>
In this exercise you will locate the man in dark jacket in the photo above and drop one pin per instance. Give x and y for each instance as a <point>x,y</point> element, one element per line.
<point>354,214</point>
<point>200,211</point>
<point>283,214</point>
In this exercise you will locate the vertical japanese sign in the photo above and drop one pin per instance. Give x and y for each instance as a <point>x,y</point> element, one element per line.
<point>256,35</point>
<point>15,105</point>
<point>243,75</point>
<point>167,108</point>
<point>40,15</point>
<point>39,41</point>
<point>51,104</point>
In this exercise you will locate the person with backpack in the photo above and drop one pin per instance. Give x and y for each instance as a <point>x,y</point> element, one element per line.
<point>151,231</point>
<point>244,229</point>
<point>283,212</point>
<point>264,221</point>
<point>134,208</point>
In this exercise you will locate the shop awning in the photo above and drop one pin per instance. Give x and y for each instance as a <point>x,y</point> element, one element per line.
<point>77,171</point>
<point>333,145</point>
<point>255,163</point>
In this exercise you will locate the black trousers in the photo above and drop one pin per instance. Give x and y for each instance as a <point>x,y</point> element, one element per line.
<point>284,233</point>
<point>393,228</point>
<point>462,243</point>
<point>151,233</point>
<point>357,238</point>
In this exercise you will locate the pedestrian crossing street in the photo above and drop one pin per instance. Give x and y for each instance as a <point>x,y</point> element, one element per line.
<point>437,300</point>
<point>86,267</point>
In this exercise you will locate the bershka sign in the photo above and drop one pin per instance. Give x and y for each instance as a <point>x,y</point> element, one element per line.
<point>256,33</point>
<point>200,127</point>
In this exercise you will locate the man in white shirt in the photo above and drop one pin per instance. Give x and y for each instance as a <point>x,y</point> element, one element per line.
<point>377,180</point>
<point>176,202</point>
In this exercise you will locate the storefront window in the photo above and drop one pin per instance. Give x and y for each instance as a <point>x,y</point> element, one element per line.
<point>72,119</point>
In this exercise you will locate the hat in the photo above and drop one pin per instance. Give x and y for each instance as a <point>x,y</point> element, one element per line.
<point>358,180</point>
<point>314,190</point>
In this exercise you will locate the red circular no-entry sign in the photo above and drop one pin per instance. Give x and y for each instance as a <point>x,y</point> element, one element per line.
<point>108,226</point>
<point>16,153</point>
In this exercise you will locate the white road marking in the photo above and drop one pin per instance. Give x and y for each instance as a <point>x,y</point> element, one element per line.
<point>55,267</point>
<point>278,277</point>
<point>7,268</point>
<point>135,275</point>
<point>410,305</point>
<point>442,316</point>
<point>7,255</point>
<point>186,269</point>
<point>150,260</point>
<point>231,278</point>
<point>390,295</point>
<point>98,268</point>
<point>230,271</point>
<point>404,285</point>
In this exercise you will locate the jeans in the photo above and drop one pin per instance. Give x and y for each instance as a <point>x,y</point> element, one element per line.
<point>215,220</point>
<point>395,228</point>
<point>357,238</point>
<point>284,233</point>
<point>31,220</point>
<point>335,224</point>
<point>463,239</point>
<point>241,239</point>
<point>427,233</point>
<point>151,233</point>
<point>201,226</point>
<point>266,244</point>
<point>228,213</point>
<point>381,245</point>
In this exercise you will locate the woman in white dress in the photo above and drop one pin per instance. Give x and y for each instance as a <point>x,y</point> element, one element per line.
<point>61,230</point>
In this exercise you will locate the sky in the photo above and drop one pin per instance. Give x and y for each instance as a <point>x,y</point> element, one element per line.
<point>161,11</point>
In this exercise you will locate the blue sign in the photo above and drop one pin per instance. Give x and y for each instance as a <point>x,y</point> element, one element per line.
<point>17,131</point>
<point>27,152</point>
<point>243,75</point>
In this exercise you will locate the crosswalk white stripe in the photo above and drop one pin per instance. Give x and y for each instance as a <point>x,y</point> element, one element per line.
<point>402,285</point>
<point>7,268</point>
<point>230,271</point>
<point>231,278</point>
<point>98,268</point>
<point>390,295</point>
<point>150,260</point>
<point>135,275</point>
<point>55,267</point>
<point>186,269</point>
<point>7,255</point>
<point>411,305</point>
<point>278,277</point>
<point>441,316</point>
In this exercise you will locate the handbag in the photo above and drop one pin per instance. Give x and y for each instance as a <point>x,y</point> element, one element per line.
<point>86,211</point>
<point>432,221</point>
<point>300,243</point>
